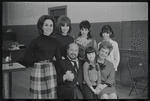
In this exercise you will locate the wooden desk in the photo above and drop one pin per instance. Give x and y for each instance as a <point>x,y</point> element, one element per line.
<point>7,77</point>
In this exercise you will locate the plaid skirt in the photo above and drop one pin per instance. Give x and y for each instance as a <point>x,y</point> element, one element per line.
<point>43,81</point>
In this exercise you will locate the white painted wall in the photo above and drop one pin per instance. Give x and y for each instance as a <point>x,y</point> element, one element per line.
<point>27,13</point>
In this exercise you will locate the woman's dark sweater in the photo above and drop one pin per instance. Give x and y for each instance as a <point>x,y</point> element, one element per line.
<point>63,42</point>
<point>42,48</point>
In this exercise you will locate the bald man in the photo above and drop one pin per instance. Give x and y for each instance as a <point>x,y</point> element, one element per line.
<point>70,83</point>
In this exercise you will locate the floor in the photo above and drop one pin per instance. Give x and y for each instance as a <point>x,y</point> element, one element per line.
<point>20,87</point>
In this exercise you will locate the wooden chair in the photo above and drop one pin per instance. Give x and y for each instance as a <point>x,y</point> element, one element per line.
<point>137,73</point>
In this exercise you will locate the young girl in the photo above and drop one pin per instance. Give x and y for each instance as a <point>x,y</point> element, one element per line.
<point>39,54</point>
<point>107,33</point>
<point>107,72</point>
<point>63,28</point>
<point>85,39</point>
<point>92,75</point>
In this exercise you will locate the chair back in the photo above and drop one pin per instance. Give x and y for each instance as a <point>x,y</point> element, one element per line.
<point>136,67</point>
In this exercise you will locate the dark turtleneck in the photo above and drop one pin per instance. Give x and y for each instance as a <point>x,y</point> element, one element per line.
<point>42,48</point>
<point>63,42</point>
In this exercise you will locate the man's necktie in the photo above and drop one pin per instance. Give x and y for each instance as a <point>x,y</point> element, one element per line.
<point>75,66</point>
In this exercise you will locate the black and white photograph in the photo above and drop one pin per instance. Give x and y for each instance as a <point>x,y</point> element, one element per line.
<point>75,50</point>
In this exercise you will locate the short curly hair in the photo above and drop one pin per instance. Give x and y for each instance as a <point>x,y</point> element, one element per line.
<point>107,29</point>
<point>106,45</point>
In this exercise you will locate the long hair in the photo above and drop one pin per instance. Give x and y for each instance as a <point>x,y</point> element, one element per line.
<point>85,24</point>
<point>91,49</point>
<point>41,22</point>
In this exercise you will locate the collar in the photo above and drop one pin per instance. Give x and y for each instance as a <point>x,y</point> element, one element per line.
<point>63,35</point>
<point>111,40</point>
<point>71,59</point>
<point>44,36</point>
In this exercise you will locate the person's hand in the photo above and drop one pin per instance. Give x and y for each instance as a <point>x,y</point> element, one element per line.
<point>102,86</point>
<point>69,76</point>
<point>63,57</point>
<point>68,72</point>
<point>93,89</point>
<point>98,86</point>
<point>98,91</point>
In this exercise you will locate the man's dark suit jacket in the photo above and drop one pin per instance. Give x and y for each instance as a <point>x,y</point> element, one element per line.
<point>65,88</point>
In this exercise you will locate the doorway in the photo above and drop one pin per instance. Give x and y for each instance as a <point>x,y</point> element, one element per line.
<point>57,11</point>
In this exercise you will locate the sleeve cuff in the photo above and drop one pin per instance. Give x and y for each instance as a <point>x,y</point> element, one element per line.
<point>108,84</point>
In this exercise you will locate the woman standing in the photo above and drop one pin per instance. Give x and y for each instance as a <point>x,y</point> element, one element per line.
<point>107,33</point>
<point>85,39</point>
<point>107,88</point>
<point>63,38</point>
<point>39,55</point>
<point>63,29</point>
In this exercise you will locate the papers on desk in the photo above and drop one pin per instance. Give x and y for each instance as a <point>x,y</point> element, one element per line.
<point>14,47</point>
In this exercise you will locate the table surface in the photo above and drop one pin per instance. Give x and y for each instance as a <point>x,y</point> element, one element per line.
<point>11,49</point>
<point>15,67</point>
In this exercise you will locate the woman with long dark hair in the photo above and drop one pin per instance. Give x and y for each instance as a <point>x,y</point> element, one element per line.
<point>85,38</point>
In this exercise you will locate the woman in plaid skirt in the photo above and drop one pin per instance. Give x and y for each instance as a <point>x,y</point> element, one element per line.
<point>39,55</point>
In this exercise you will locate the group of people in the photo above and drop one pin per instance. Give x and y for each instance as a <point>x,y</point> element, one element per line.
<point>67,68</point>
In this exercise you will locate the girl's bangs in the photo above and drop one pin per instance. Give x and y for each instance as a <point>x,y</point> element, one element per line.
<point>106,31</point>
<point>85,27</point>
<point>90,51</point>
<point>65,23</point>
